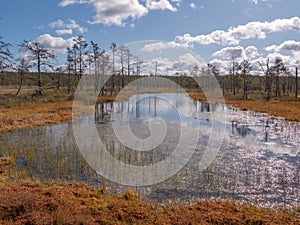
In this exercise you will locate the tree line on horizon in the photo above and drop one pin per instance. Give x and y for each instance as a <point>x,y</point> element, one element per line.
<point>275,79</point>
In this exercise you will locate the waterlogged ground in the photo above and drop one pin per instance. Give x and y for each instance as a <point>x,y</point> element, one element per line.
<point>258,160</point>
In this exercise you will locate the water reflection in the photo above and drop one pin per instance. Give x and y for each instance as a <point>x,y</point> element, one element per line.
<point>258,162</point>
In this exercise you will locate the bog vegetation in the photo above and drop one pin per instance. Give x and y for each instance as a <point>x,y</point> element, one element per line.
<point>28,202</point>
<point>35,92</point>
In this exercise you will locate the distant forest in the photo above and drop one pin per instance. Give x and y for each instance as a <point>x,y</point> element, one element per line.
<point>36,68</point>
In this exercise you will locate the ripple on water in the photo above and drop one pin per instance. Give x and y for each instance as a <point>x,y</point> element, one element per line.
<point>258,162</point>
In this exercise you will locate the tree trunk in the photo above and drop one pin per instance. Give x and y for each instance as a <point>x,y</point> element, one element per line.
<point>128,63</point>
<point>69,78</point>
<point>277,84</point>
<point>112,85</point>
<point>96,87</point>
<point>268,84</point>
<point>245,88</point>
<point>20,86</point>
<point>296,89</point>
<point>75,62</point>
<point>122,70</point>
<point>80,63</point>
<point>39,71</point>
<point>231,81</point>
<point>233,78</point>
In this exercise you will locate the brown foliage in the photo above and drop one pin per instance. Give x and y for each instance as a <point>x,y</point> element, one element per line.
<point>35,203</point>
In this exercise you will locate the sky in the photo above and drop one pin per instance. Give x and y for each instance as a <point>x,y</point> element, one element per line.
<point>215,30</point>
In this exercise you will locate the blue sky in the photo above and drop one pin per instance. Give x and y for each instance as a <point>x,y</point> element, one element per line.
<point>247,29</point>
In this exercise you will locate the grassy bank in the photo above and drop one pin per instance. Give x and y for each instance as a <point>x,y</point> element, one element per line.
<point>56,106</point>
<point>27,202</point>
<point>24,111</point>
<point>288,108</point>
<point>50,108</point>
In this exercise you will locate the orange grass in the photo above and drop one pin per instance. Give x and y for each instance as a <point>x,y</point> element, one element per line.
<point>41,111</point>
<point>36,203</point>
<point>288,109</point>
<point>33,113</point>
<point>27,202</point>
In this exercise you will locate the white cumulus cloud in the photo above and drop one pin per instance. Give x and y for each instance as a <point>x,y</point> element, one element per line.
<point>289,45</point>
<point>237,52</point>
<point>251,52</point>
<point>287,60</point>
<point>65,3</point>
<point>223,66</point>
<point>57,44</point>
<point>64,31</point>
<point>250,30</point>
<point>67,28</point>
<point>159,46</point>
<point>116,12</point>
<point>187,61</point>
<point>160,5</point>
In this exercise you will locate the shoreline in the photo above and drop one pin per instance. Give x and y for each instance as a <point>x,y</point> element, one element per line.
<point>44,113</point>
<point>287,109</point>
<point>96,205</point>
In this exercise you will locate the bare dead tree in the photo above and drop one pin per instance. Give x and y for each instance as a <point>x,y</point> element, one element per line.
<point>72,57</point>
<point>80,45</point>
<point>95,56</point>
<point>113,48</point>
<point>234,81</point>
<point>296,89</point>
<point>23,67</point>
<point>278,69</point>
<point>216,72</point>
<point>245,65</point>
<point>266,71</point>
<point>129,55</point>
<point>38,54</point>
<point>5,55</point>
<point>232,77</point>
<point>123,52</point>
<point>70,60</point>
<point>104,67</point>
<point>129,64</point>
<point>138,66</point>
